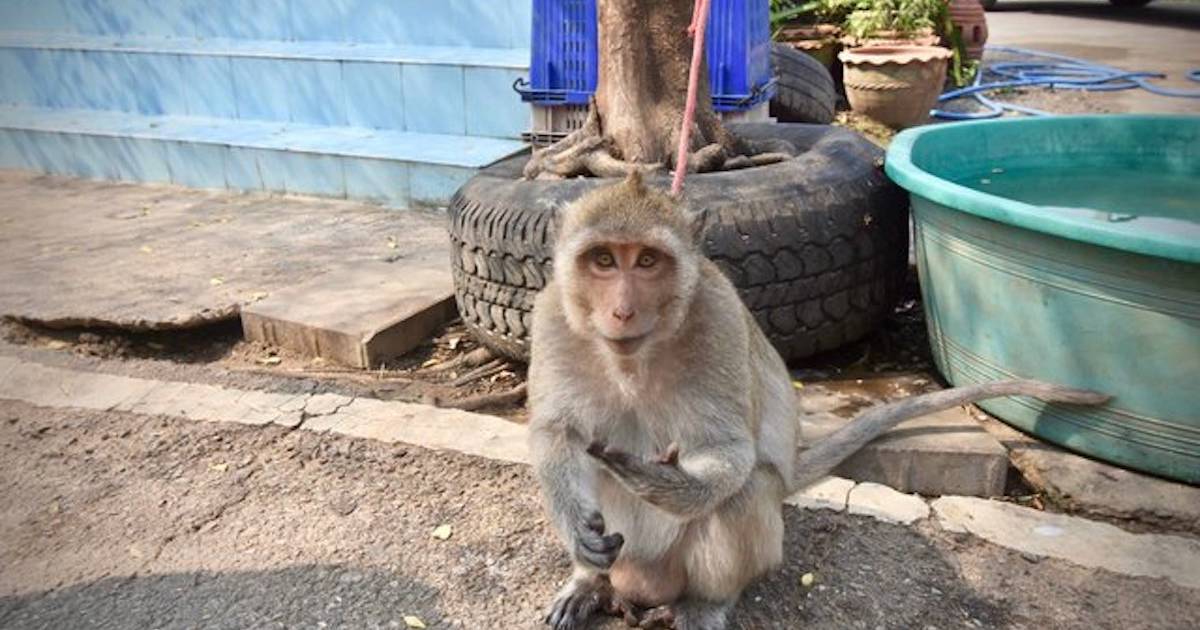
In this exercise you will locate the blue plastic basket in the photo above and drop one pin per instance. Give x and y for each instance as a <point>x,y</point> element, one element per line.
<point>564,57</point>
<point>738,52</point>
<point>563,68</point>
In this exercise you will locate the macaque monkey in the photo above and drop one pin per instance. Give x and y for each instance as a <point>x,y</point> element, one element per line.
<point>663,423</point>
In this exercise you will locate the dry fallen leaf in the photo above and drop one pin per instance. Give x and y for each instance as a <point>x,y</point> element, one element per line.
<point>146,249</point>
<point>219,467</point>
<point>807,580</point>
<point>430,363</point>
<point>413,622</point>
<point>216,281</point>
<point>57,344</point>
<point>443,532</point>
<point>453,342</point>
<point>797,384</point>
<point>270,361</point>
<point>391,243</point>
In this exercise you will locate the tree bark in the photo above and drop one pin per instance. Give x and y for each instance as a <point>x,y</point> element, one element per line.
<point>634,123</point>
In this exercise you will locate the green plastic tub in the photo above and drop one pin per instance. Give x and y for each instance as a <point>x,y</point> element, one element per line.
<point>1068,249</point>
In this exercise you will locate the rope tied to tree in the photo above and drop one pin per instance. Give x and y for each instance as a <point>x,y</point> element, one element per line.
<point>696,30</point>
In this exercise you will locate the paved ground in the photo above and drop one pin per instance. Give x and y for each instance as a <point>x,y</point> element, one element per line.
<point>1162,37</point>
<point>123,521</point>
<point>79,252</point>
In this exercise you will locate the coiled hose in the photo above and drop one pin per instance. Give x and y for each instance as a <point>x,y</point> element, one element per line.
<point>1050,70</point>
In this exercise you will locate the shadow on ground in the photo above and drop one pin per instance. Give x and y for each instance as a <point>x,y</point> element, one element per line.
<point>305,596</point>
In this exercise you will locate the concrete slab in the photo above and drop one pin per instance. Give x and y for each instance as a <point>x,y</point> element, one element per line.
<point>150,257</point>
<point>1076,540</point>
<point>357,316</point>
<point>943,453</point>
<point>829,493</point>
<point>885,504</point>
<point>1080,485</point>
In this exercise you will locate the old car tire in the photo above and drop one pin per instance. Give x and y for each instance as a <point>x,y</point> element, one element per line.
<point>804,89</point>
<point>816,246</point>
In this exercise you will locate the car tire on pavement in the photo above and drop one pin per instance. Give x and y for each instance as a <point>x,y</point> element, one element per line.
<point>817,246</point>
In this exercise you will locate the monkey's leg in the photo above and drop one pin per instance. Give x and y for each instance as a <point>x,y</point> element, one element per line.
<point>729,549</point>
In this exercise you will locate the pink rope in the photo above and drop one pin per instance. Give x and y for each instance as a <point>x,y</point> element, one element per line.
<point>696,30</point>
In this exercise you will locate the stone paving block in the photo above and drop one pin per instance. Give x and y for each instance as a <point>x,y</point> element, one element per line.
<point>1076,540</point>
<point>1088,486</point>
<point>357,316</point>
<point>829,493</point>
<point>431,427</point>
<point>939,454</point>
<point>885,504</point>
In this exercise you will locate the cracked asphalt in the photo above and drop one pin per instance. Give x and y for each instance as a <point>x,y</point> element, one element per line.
<point>118,520</point>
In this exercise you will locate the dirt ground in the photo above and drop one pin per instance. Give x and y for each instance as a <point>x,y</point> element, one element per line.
<point>119,521</point>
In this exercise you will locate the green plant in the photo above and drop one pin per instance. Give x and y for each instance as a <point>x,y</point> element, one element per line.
<point>910,17</point>
<point>809,12</point>
<point>903,17</point>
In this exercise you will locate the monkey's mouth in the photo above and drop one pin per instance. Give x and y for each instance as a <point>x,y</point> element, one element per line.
<point>626,345</point>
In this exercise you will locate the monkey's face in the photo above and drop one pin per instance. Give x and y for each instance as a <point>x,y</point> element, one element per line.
<point>628,289</point>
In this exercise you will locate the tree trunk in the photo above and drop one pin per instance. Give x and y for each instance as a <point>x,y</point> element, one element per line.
<point>634,120</point>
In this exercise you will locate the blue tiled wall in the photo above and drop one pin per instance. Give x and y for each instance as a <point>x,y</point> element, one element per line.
<point>326,97</point>
<point>478,23</point>
<point>427,98</point>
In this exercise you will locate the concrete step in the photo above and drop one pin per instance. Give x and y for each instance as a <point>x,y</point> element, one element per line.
<point>425,89</point>
<point>360,316</point>
<point>475,23</point>
<point>392,167</point>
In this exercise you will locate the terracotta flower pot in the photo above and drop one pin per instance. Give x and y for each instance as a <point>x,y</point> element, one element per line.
<point>819,41</point>
<point>970,20</point>
<point>895,85</point>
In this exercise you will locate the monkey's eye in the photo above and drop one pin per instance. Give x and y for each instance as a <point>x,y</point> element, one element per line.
<point>647,259</point>
<point>604,259</point>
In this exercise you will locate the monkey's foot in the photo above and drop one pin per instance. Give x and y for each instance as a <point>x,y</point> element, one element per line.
<point>577,602</point>
<point>637,617</point>
<point>658,617</point>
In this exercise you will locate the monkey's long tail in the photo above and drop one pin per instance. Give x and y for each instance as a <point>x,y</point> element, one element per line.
<point>821,458</point>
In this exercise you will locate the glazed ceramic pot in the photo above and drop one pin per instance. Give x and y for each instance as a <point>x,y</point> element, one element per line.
<point>970,21</point>
<point>895,85</point>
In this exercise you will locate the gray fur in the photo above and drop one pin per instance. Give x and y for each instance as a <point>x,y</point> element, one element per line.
<point>706,384</point>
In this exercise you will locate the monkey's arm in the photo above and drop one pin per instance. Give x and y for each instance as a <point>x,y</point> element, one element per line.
<point>566,482</point>
<point>686,486</point>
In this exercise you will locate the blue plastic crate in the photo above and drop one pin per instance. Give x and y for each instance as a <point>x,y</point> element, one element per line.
<point>563,68</point>
<point>564,55</point>
<point>738,50</point>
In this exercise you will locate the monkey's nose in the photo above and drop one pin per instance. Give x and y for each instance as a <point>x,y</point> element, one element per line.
<point>622,314</point>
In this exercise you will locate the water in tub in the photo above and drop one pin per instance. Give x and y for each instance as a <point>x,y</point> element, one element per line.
<point>1150,202</point>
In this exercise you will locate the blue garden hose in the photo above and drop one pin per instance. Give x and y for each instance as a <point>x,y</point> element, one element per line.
<point>1060,71</point>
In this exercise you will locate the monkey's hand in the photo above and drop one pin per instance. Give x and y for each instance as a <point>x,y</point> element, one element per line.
<point>592,547</point>
<point>658,480</point>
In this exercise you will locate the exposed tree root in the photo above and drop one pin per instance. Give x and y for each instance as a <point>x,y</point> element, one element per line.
<point>484,371</point>
<point>707,159</point>
<point>474,358</point>
<point>587,151</point>
<point>493,399</point>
